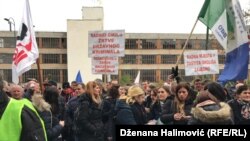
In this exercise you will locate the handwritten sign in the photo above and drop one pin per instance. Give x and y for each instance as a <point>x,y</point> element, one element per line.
<point>201,62</point>
<point>105,65</point>
<point>106,43</point>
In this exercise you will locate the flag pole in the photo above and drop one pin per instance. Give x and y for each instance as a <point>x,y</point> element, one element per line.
<point>39,75</point>
<point>184,47</point>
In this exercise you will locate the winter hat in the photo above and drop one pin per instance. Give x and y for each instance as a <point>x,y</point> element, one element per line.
<point>134,91</point>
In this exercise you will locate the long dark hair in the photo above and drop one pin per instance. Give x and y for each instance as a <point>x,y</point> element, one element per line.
<point>51,95</point>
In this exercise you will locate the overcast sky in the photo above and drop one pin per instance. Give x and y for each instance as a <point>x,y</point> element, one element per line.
<point>134,16</point>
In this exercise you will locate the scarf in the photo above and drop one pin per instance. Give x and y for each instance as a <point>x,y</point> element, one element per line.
<point>245,109</point>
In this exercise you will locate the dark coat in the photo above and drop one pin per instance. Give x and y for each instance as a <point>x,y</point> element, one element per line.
<point>236,108</point>
<point>70,109</point>
<point>124,114</point>
<point>108,113</point>
<point>51,122</point>
<point>215,114</point>
<point>169,109</point>
<point>88,120</point>
<point>155,111</point>
<point>31,125</point>
<point>139,113</point>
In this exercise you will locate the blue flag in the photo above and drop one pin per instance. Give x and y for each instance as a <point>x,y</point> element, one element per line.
<point>225,19</point>
<point>79,77</point>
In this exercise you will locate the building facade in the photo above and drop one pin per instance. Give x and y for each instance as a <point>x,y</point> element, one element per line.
<point>63,54</point>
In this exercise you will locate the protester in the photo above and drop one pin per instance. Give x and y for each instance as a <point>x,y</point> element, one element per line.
<point>209,110</point>
<point>19,119</point>
<point>241,105</point>
<point>88,116</point>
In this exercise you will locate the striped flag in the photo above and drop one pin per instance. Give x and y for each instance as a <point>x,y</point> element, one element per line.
<point>225,20</point>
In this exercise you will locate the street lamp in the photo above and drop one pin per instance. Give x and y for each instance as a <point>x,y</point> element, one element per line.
<point>11,21</point>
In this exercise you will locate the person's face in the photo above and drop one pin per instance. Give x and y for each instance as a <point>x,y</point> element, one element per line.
<point>79,89</point>
<point>162,94</point>
<point>153,96</point>
<point>97,90</point>
<point>197,85</point>
<point>182,94</point>
<point>245,95</point>
<point>140,99</point>
<point>145,86</point>
<point>74,86</point>
<point>122,91</point>
<point>17,92</point>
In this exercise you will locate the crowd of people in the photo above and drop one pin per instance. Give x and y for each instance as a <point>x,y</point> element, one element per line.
<point>91,111</point>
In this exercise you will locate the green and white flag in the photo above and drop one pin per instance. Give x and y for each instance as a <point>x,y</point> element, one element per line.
<point>225,19</point>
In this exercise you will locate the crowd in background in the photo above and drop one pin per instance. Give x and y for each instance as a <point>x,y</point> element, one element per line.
<point>90,111</point>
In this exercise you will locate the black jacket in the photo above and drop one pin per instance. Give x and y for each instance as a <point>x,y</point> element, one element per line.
<point>88,120</point>
<point>236,108</point>
<point>32,129</point>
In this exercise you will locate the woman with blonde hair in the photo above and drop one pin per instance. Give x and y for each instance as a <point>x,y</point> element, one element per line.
<point>130,109</point>
<point>88,116</point>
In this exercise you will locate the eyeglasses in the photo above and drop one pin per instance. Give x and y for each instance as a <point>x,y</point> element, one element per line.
<point>160,91</point>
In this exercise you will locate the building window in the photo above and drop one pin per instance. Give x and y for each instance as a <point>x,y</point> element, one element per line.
<point>221,59</point>
<point>168,59</point>
<point>129,59</point>
<point>50,42</point>
<point>8,42</point>
<point>148,75</point>
<point>64,42</point>
<point>203,44</point>
<point>33,73</point>
<point>64,59</point>
<point>130,44</point>
<point>51,75</point>
<point>190,44</point>
<point>6,58</point>
<point>51,58</point>
<point>65,75</point>
<point>148,44</point>
<point>148,59</point>
<point>1,43</point>
<point>7,74</point>
<point>168,44</point>
<point>165,74</point>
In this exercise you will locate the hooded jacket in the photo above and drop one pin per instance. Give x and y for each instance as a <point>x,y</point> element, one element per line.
<point>211,113</point>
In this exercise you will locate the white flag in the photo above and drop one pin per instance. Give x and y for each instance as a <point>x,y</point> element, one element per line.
<point>26,51</point>
<point>137,79</point>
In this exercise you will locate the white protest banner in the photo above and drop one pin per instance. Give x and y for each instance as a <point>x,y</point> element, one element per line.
<point>106,43</point>
<point>105,65</point>
<point>201,62</point>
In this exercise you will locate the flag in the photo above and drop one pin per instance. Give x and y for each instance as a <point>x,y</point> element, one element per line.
<point>137,79</point>
<point>26,51</point>
<point>79,77</point>
<point>225,20</point>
